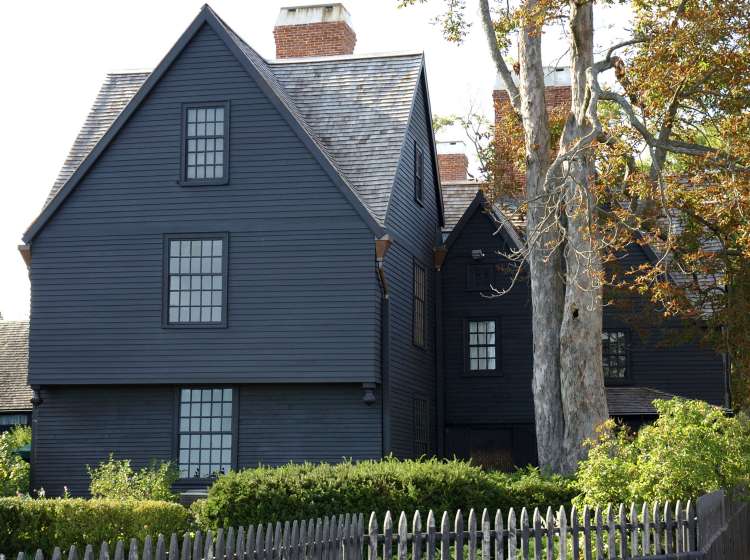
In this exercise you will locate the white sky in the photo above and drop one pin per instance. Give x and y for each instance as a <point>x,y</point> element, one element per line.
<point>54,55</point>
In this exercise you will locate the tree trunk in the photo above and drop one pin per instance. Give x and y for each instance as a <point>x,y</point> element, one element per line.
<point>581,381</point>
<point>545,257</point>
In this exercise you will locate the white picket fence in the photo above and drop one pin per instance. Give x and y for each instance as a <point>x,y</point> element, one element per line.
<point>622,532</point>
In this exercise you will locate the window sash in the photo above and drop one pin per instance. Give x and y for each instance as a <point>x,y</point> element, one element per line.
<point>615,354</point>
<point>205,435</point>
<point>421,426</point>
<point>418,172</point>
<point>205,146</point>
<point>482,345</point>
<point>419,308</point>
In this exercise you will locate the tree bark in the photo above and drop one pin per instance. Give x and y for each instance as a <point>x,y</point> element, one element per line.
<point>545,256</point>
<point>581,381</point>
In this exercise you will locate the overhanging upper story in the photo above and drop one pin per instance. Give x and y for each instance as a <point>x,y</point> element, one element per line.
<point>217,218</point>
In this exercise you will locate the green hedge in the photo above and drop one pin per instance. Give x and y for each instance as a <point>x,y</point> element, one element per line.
<point>27,524</point>
<point>268,494</point>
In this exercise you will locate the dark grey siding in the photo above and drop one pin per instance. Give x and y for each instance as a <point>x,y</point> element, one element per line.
<point>283,423</point>
<point>302,291</point>
<point>412,369</point>
<point>81,425</point>
<point>492,417</point>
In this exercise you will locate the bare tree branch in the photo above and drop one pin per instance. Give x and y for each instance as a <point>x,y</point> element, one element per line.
<point>497,56</point>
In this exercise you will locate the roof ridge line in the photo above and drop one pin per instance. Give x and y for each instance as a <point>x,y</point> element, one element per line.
<point>342,57</point>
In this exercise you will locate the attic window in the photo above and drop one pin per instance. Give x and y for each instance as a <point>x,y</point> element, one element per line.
<point>205,147</point>
<point>418,173</point>
<point>614,354</point>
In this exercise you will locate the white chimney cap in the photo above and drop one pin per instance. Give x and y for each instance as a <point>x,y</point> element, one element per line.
<point>318,13</point>
<point>553,76</point>
<point>451,147</point>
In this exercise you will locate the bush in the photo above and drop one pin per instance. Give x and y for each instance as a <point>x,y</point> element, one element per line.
<point>27,524</point>
<point>306,491</point>
<point>14,471</point>
<point>691,449</point>
<point>18,437</point>
<point>117,480</point>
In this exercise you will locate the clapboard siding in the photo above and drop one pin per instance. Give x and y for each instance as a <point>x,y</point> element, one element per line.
<point>279,424</point>
<point>79,426</point>
<point>412,369</point>
<point>500,404</point>
<point>302,290</point>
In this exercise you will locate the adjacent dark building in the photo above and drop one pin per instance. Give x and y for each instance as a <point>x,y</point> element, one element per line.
<point>15,394</point>
<point>237,265</point>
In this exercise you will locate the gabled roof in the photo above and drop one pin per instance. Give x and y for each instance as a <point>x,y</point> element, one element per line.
<point>352,112</point>
<point>15,394</point>
<point>634,401</point>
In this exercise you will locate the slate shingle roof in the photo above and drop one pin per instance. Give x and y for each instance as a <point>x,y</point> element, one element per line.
<point>355,108</point>
<point>634,401</point>
<point>15,394</point>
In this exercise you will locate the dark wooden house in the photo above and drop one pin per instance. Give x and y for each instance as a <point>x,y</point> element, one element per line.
<point>236,266</point>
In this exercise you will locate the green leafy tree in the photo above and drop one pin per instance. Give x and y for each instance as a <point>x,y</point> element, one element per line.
<point>116,479</point>
<point>14,471</point>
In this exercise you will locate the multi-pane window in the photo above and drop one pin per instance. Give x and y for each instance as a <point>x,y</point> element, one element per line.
<point>421,426</point>
<point>614,354</point>
<point>205,432</point>
<point>418,173</point>
<point>482,346</point>
<point>205,156</point>
<point>480,276</point>
<point>196,281</point>
<point>419,296</point>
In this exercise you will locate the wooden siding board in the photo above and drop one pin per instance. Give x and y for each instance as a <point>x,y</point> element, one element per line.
<point>505,401</point>
<point>412,369</point>
<point>303,294</point>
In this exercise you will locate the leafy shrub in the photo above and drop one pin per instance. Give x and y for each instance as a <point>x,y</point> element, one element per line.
<point>14,471</point>
<point>530,488</point>
<point>691,449</point>
<point>303,491</point>
<point>117,480</point>
<point>18,437</point>
<point>27,524</point>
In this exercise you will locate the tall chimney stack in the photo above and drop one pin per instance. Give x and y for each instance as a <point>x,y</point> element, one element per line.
<point>452,161</point>
<point>310,31</point>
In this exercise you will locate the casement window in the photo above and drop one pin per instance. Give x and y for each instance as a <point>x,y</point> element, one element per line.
<point>480,277</point>
<point>419,318</point>
<point>196,267</point>
<point>206,426</point>
<point>205,145</point>
<point>481,345</point>
<point>421,426</point>
<point>614,354</point>
<point>418,173</point>
<point>14,419</point>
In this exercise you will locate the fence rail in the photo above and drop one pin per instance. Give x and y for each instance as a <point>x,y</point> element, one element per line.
<point>591,534</point>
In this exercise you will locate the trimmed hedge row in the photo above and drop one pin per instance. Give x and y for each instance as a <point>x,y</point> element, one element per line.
<point>27,524</point>
<point>306,491</point>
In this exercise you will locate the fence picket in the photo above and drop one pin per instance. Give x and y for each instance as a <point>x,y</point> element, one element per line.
<point>692,544</point>
<point>21,556</point>
<point>550,523</point>
<point>293,551</point>
<point>104,551</point>
<point>218,545</point>
<point>512,535</point>
<point>416,529</point>
<point>250,550</point>
<point>562,523</point>
<point>57,553</point>
<point>599,533</point>
<point>208,545</point>
<point>88,553</point>
<point>445,542</point>
<point>267,544</point>
<point>499,548</point>
<point>574,530</point>
<point>486,535</point>
<point>401,547</point>
<point>277,543</point>
<point>586,533</point>
<point>240,544</point>
<point>525,533</point>
<point>611,533</point>
<point>387,536</point>
<point>679,516</point>
<point>120,550</point>
<point>160,548</point>
<point>132,553</point>
<point>174,548</point>
<point>657,528</point>
<point>147,548</point>
<point>459,540</point>
<point>472,535</point>
<point>431,535</point>
<point>537,525</point>
<point>372,533</point>
<point>646,534</point>
<point>633,530</point>
<point>668,532</point>
<point>318,548</point>
<point>624,550</point>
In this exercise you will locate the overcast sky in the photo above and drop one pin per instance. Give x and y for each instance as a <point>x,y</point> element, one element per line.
<point>54,55</point>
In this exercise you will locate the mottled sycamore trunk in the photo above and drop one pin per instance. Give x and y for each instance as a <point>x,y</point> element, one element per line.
<point>581,382</point>
<point>545,258</point>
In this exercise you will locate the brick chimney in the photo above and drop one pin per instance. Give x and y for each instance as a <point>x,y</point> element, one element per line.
<point>556,99</point>
<point>452,161</point>
<point>308,31</point>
